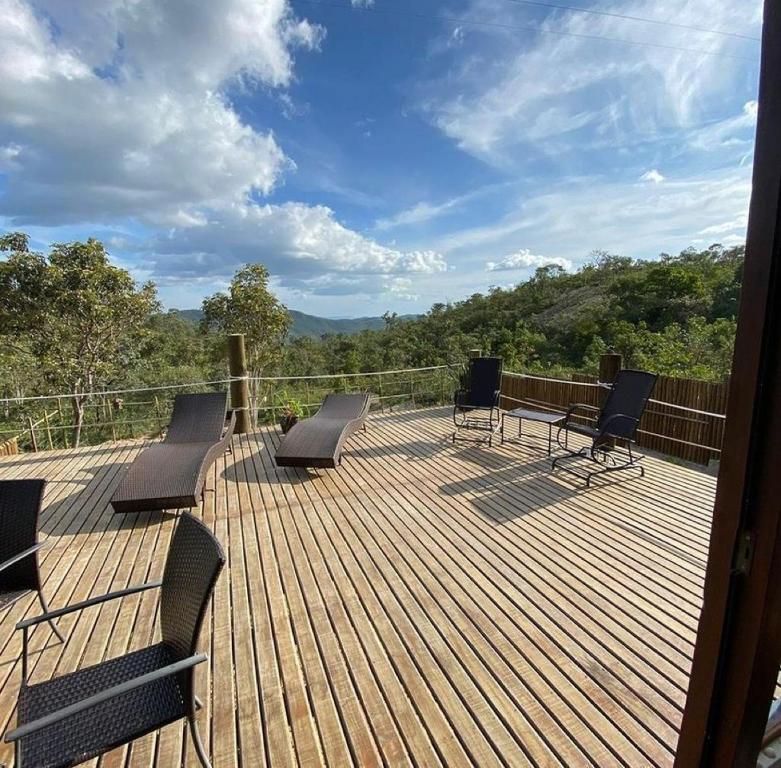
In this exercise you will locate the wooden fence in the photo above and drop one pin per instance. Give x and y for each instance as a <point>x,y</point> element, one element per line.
<point>9,447</point>
<point>691,436</point>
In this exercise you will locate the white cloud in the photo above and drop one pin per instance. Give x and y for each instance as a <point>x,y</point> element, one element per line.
<point>568,91</point>
<point>112,115</point>
<point>417,214</point>
<point>524,259</point>
<point>362,3</point>
<point>577,216</point>
<point>423,212</point>
<point>303,246</point>
<point>653,176</point>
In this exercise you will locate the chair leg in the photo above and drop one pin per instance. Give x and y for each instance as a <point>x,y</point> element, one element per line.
<point>199,748</point>
<point>45,607</point>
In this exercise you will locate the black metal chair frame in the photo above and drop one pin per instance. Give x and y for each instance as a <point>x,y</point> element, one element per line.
<point>464,409</point>
<point>26,500</point>
<point>603,449</point>
<point>183,667</point>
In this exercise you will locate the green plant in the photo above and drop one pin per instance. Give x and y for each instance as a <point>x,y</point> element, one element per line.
<point>290,406</point>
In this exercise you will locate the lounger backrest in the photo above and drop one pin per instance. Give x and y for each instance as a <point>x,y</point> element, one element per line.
<point>340,406</point>
<point>195,559</point>
<point>485,378</point>
<point>20,503</point>
<point>198,418</point>
<point>628,396</point>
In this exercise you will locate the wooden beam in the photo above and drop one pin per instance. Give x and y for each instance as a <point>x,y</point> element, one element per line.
<point>738,649</point>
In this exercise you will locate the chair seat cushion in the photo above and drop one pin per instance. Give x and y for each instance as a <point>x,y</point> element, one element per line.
<point>164,476</point>
<point>115,722</point>
<point>582,429</point>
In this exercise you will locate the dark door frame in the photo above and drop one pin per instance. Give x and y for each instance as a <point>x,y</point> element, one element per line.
<point>738,647</point>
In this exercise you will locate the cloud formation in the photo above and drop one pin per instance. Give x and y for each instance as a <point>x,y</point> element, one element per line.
<point>299,243</point>
<point>109,116</point>
<point>653,176</point>
<point>524,259</point>
<point>559,91</point>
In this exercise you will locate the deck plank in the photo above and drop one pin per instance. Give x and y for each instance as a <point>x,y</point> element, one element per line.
<point>425,604</point>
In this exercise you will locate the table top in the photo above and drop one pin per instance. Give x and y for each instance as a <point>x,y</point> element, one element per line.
<point>548,418</point>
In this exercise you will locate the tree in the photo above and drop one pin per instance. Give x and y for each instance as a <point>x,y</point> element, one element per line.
<point>78,317</point>
<point>250,308</point>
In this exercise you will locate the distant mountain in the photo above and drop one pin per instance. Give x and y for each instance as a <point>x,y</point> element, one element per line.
<point>311,325</point>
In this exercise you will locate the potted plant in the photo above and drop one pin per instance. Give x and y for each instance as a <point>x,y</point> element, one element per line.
<point>292,410</point>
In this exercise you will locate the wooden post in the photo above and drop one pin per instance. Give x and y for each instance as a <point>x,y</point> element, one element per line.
<point>609,366</point>
<point>159,416</point>
<point>738,647</point>
<point>33,441</point>
<point>109,414</point>
<point>63,424</point>
<point>48,430</point>
<point>237,364</point>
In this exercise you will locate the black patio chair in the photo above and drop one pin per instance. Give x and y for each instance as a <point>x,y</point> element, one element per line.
<point>20,507</point>
<point>617,421</point>
<point>64,721</point>
<point>480,394</point>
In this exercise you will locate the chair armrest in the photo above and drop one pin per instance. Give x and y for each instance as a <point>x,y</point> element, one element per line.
<point>21,556</point>
<point>102,696</point>
<point>460,396</point>
<point>33,620</point>
<point>576,406</point>
<point>228,431</point>
<point>497,395</point>
<point>605,430</point>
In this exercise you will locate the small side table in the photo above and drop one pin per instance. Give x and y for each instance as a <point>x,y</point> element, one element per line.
<point>551,419</point>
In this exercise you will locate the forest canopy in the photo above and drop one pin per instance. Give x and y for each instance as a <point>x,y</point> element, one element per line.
<point>675,315</point>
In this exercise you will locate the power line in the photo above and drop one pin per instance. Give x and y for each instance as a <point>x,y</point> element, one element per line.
<point>519,28</point>
<point>611,14</point>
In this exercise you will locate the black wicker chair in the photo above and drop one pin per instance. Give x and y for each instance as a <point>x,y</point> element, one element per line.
<point>617,421</point>
<point>479,395</point>
<point>20,506</point>
<point>64,721</point>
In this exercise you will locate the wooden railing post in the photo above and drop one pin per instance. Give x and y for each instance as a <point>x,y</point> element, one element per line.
<point>33,441</point>
<point>48,430</point>
<point>237,365</point>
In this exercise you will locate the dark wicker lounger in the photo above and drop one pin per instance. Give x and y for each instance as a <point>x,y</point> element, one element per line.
<point>317,442</point>
<point>170,475</point>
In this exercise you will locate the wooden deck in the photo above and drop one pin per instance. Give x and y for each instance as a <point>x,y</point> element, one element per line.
<point>425,604</point>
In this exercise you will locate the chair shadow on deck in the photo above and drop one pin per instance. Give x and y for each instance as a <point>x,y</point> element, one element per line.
<point>506,493</point>
<point>79,506</point>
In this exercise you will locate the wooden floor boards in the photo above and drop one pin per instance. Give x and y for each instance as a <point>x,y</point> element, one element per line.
<point>425,604</point>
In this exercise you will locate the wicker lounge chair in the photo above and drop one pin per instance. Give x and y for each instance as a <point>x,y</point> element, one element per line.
<point>318,441</point>
<point>20,506</point>
<point>617,421</point>
<point>170,475</point>
<point>73,718</point>
<point>481,394</point>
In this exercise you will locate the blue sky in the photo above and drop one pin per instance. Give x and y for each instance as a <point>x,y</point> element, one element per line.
<point>375,155</point>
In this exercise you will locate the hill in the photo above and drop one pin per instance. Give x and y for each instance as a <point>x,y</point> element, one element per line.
<point>674,315</point>
<point>311,325</point>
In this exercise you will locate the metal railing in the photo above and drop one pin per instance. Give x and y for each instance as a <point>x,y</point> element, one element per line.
<point>31,423</point>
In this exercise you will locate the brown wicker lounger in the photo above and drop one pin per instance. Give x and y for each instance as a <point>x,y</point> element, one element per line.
<point>317,442</point>
<point>170,475</point>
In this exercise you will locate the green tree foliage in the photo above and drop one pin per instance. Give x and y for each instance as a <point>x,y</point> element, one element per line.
<point>74,316</point>
<point>675,316</point>
<point>250,308</point>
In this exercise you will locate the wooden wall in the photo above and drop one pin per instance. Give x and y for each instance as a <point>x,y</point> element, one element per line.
<point>689,436</point>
